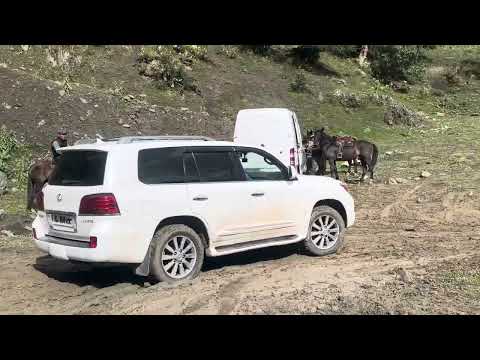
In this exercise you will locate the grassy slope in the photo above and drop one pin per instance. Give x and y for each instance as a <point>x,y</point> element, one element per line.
<point>228,85</point>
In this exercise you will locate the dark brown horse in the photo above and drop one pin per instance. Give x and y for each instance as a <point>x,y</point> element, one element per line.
<point>330,149</point>
<point>315,154</point>
<point>38,175</point>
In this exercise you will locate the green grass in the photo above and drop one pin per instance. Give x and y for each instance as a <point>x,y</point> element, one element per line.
<point>467,281</point>
<point>229,85</point>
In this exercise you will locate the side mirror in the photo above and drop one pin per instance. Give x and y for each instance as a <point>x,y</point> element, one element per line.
<point>292,173</point>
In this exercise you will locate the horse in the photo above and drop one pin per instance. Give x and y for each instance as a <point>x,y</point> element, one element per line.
<point>331,148</point>
<point>315,153</point>
<point>38,175</point>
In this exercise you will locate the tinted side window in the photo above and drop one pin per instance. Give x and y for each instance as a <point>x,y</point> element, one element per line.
<point>216,166</point>
<point>191,172</point>
<point>79,168</point>
<point>159,166</point>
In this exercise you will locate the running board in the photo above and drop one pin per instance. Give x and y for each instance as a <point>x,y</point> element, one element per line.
<point>254,243</point>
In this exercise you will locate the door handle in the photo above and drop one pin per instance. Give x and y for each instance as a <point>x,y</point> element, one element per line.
<point>258,194</point>
<point>200,198</point>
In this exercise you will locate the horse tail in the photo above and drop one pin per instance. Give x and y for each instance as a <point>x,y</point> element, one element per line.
<point>374,156</point>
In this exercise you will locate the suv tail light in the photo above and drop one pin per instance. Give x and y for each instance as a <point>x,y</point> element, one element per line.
<point>93,242</point>
<point>344,186</point>
<point>292,157</point>
<point>39,205</point>
<point>99,204</point>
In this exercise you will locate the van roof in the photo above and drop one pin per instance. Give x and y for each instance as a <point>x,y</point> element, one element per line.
<point>271,110</point>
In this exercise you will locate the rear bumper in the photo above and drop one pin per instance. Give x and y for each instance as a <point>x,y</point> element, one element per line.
<point>73,251</point>
<point>114,243</point>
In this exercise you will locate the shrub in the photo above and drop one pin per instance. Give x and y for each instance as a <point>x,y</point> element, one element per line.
<point>299,84</point>
<point>228,51</point>
<point>167,63</point>
<point>262,50</point>
<point>7,147</point>
<point>452,76</point>
<point>307,54</point>
<point>343,51</point>
<point>399,114</point>
<point>397,62</point>
<point>348,100</point>
<point>14,157</point>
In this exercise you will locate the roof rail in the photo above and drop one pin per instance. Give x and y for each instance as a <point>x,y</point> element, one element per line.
<point>131,139</point>
<point>86,140</point>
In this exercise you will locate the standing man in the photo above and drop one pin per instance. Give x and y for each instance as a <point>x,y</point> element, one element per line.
<point>59,142</point>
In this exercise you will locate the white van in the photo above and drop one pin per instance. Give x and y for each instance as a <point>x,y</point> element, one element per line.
<point>274,129</point>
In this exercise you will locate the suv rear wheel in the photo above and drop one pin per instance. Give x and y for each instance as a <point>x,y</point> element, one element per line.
<point>325,232</point>
<point>177,255</point>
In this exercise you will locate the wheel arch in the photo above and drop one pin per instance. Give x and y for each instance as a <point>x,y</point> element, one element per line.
<point>334,204</point>
<point>197,224</point>
<point>194,222</point>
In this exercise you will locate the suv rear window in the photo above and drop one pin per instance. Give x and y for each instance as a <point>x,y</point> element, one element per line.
<point>79,168</point>
<point>160,166</point>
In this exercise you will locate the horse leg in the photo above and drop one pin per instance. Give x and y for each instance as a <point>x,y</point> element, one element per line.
<point>370,169</point>
<point>333,168</point>
<point>364,169</point>
<point>322,166</point>
<point>349,171</point>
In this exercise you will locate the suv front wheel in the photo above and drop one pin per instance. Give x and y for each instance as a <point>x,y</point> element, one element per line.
<point>325,231</point>
<point>178,254</point>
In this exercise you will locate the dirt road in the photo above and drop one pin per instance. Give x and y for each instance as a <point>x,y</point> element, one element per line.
<point>415,249</point>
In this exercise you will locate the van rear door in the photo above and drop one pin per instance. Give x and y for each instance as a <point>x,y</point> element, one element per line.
<point>301,155</point>
<point>270,129</point>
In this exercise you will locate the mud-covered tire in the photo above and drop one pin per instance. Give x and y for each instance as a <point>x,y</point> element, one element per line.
<point>166,236</point>
<point>324,212</point>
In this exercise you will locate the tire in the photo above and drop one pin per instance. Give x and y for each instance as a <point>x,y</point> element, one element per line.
<point>164,240</point>
<point>314,246</point>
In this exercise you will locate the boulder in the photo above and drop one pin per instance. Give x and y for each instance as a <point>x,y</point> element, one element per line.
<point>7,233</point>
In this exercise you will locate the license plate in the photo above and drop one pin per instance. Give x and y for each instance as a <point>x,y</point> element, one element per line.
<point>62,221</point>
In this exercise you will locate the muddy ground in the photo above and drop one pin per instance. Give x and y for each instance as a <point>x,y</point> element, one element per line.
<point>415,249</point>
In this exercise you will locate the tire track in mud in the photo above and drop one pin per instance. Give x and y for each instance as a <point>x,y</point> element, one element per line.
<point>230,296</point>
<point>386,211</point>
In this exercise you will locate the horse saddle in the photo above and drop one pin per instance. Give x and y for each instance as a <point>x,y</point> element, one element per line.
<point>342,142</point>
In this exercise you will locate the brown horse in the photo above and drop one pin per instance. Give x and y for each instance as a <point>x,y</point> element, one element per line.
<point>38,175</point>
<point>315,153</point>
<point>331,151</point>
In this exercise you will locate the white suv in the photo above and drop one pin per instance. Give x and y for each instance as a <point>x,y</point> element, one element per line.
<point>164,202</point>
